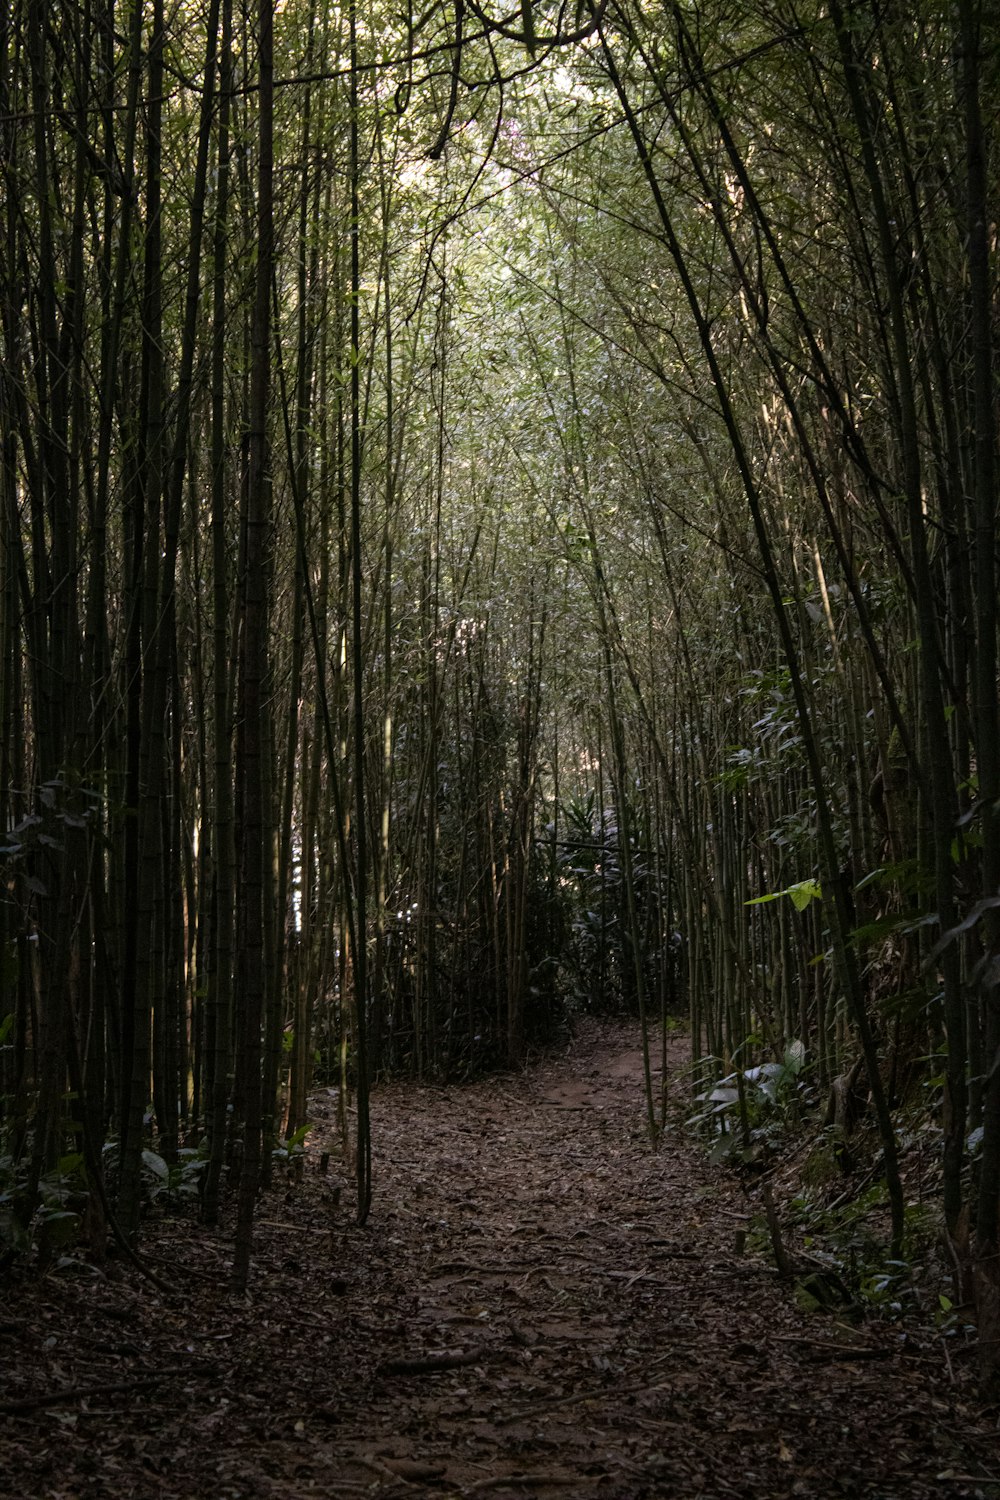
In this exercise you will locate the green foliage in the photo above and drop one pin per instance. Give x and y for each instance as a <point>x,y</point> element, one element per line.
<point>598,956</point>
<point>166,1184</point>
<point>51,1222</point>
<point>778,1082</point>
<point>801,894</point>
<point>845,1240</point>
<point>291,1152</point>
<point>767,1096</point>
<point>182,1183</point>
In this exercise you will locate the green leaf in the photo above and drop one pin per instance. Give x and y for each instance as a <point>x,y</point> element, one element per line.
<point>795,1056</point>
<point>804,892</point>
<point>155,1164</point>
<point>722,1096</point>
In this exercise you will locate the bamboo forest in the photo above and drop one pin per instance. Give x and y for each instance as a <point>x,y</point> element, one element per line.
<point>499,748</point>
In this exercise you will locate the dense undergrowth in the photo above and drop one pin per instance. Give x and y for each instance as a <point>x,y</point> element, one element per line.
<point>810,1162</point>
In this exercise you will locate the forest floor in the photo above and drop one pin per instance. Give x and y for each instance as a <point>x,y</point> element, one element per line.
<point>539,1306</point>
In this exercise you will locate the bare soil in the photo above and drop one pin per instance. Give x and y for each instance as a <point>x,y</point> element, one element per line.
<point>539,1306</point>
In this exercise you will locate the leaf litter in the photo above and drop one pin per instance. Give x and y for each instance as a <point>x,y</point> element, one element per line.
<point>540,1305</point>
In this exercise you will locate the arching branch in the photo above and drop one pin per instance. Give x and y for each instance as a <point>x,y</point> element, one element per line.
<point>456,68</point>
<point>528,37</point>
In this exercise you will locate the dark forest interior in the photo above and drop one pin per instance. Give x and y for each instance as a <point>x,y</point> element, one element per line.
<point>498,545</point>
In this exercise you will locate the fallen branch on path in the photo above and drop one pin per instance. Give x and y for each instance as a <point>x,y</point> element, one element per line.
<point>828,1354</point>
<point>631,1277</point>
<point>831,1356</point>
<point>495,1481</point>
<point>430,1364</point>
<point>295,1228</point>
<point>966,1479</point>
<point>398,1470</point>
<point>553,1403</point>
<point>74,1393</point>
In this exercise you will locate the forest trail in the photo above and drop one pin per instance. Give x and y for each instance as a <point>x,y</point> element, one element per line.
<point>540,1306</point>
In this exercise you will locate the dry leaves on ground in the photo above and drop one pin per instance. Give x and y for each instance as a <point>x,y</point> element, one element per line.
<point>539,1306</point>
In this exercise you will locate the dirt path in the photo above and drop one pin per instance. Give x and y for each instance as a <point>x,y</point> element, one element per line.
<point>538,1307</point>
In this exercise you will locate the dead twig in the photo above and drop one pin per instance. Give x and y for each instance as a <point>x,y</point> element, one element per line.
<point>495,1481</point>
<point>966,1479</point>
<point>431,1364</point>
<point>847,1351</point>
<point>74,1393</point>
<point>781,1258</point>
<point>555,1402</point>
<point>829,1356</point>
